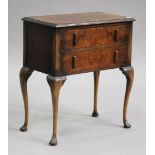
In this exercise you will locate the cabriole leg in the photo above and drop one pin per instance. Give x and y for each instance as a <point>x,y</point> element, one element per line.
<point>55,84</point>
<point>129,74</point>
<point>25,73</point>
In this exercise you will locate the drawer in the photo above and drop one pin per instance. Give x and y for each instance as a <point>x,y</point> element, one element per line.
<point>93,59</point>
<point>94,36</point>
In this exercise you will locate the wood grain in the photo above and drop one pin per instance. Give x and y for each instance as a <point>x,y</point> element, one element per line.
<point>95,36</point>
<point>93,59</point>
<point>77,19</point>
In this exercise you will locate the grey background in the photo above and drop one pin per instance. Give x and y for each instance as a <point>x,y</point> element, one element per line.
<point>79,133</point>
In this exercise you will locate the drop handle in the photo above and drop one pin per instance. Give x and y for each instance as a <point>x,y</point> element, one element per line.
<point>74,61</point>
<point>115,57</point>
<point>74,39</point>
<point>116,35</point>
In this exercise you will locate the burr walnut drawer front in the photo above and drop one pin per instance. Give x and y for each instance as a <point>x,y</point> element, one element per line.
<point>92,59</point>
<point>94,36</point>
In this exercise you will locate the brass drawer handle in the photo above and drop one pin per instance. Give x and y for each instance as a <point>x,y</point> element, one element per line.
<point>74,39</point>
<point>115,57</point>
<point>74,61</point>
<point>116,32</point>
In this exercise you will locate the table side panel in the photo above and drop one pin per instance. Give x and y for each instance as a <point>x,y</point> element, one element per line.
<point>38,50</point>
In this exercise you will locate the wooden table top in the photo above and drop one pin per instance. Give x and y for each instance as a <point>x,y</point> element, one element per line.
<point>77,19</point>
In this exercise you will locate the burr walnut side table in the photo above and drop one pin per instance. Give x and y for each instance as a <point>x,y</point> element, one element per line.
<point>61,45</point>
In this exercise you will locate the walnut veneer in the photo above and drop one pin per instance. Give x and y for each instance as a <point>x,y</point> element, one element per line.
<point>61,45</point>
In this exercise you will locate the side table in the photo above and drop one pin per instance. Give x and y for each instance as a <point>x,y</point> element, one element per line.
<point>61,45</point>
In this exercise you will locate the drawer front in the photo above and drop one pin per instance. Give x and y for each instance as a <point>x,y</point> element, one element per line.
<point>94,36</point>
<point>93,59</point>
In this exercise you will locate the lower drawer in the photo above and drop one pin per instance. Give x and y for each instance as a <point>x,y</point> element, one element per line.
<point>93,59</point>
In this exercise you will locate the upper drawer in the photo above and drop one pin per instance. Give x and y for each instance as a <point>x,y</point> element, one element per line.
<point>94,36</point>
